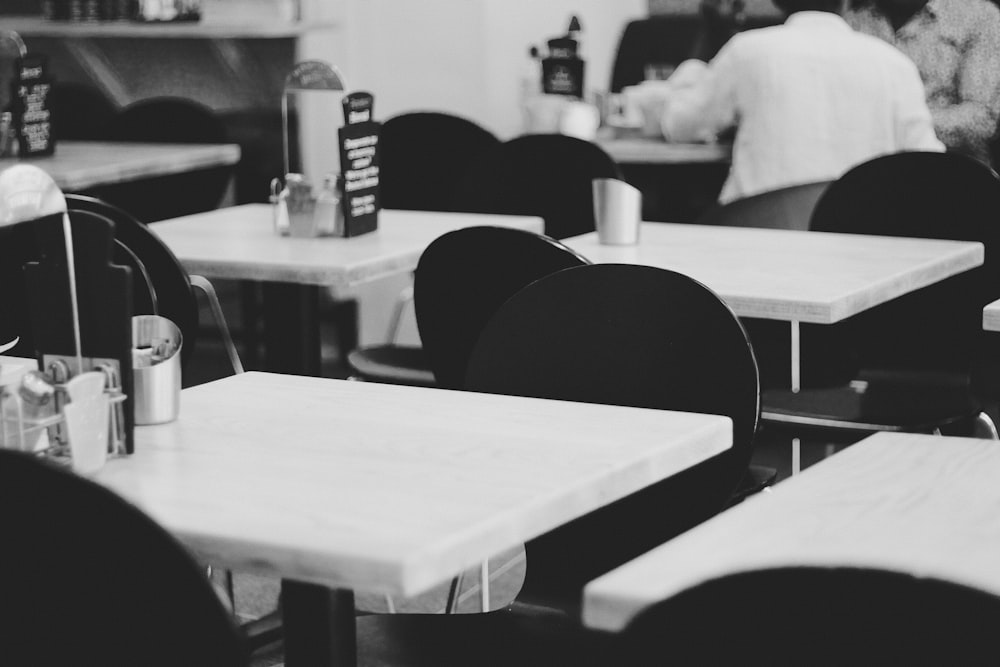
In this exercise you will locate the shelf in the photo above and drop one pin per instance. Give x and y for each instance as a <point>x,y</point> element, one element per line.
<point>33,26</point>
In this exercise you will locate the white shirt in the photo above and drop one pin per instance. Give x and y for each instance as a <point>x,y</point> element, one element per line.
<point>810,99</point>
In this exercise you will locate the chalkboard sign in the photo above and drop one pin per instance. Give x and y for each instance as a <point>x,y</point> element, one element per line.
<point>30,106</point>
<point>359,160</point>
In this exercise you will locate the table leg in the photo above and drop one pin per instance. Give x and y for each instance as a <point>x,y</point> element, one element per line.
<point>796,385</point>
<point>319,625</point>
<point>291,328</point>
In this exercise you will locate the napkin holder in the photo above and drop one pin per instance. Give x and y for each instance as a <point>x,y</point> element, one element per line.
<point>104,295</point>
<point>32,410</point>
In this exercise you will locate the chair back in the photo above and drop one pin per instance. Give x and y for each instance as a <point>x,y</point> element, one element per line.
<point>548,175</point>
<point>463,277</point>
<point>924,195</point>
<point>635,336</point>
<point>422,153</point>
<point>171,285</point>
<point>169,120</point>
<point>89,579</point>
<point>19,245</point>
<point>81,112</point>
<point>786,208</point>
<point>828,616</point>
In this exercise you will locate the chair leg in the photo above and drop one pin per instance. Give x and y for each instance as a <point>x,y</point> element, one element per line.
<point>405,297</point>
<point>220,320</point>
<point>451,606</point>
<point>484,586</point>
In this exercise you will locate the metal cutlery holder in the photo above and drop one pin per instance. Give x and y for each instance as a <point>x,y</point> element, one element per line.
<point>31,408</point>
<point>156,369</point>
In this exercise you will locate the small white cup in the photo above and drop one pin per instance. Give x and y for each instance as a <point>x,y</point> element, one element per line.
<point>87,428</point>
<point>617,211</point>
<point>543,112</point>
<point>580,120</point>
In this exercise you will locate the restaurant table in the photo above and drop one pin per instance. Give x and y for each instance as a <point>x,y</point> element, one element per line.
<point>79,165</point>
<point>653,151</point>
<point>240,243</point>
<point>918,504</point>
<point>792,276</point>
<point>339,486</point>
<point>991,316</point>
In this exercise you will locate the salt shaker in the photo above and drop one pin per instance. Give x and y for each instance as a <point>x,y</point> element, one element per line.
<point>329,217</point>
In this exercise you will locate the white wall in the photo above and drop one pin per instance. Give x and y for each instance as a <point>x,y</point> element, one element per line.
<point>466,56</point>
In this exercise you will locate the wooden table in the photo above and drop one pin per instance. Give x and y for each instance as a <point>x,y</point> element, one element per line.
<point>919,504</point>
<point>78,165</point>
<point>239,243</point>
<point>382,488</point>
<point>792,276</point>
<point>991,316</point>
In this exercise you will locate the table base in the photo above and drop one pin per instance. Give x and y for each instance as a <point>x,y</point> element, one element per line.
<point>319,625</point>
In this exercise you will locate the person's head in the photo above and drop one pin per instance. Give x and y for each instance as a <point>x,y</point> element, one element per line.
<point>792,6</point>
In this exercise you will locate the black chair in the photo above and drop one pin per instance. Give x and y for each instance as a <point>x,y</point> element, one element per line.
<point>171,285</point>
<point>89,579</point>
<point>920,362</point>
<point>20,245</point>
<point>81,112</point>
<point>169,120</point>
<point>610,334</point>
<point>785,208</point>
<point>547,175</point>
<point>461,279</point>
<point>623,335</point>
<point>825,616</point>
<point>422,153</point>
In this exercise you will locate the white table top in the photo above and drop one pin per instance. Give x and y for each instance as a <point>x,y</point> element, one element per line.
<point>991,316</point>
<point>78,165</point>
<point>791,275</point>
<point>388,488</point>
<point>919,504</point>
<point>641,150</point>
<point>240,243</point>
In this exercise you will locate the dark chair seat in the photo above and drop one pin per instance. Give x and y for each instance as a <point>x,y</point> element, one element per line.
<point>884,402</point>
<point>918,362</point>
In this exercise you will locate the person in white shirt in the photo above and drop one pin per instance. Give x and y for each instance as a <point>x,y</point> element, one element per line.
<point>809,99</point>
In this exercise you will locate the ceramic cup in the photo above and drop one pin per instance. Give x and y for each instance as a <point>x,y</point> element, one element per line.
<point>580,120</point>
